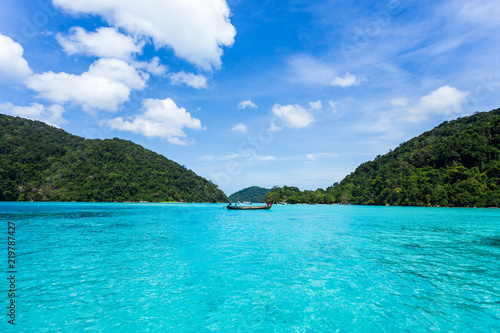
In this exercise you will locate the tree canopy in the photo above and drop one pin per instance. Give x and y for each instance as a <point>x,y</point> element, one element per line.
<point>456,164</point>
<point>253,194</point>
<point>42,163</point>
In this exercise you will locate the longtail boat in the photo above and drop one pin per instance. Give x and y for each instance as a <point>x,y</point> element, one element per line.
<point>268,206</point>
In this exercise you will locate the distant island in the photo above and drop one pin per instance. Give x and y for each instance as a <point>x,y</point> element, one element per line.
<point>43,163</point>
<point>457,164</point>
<point>253,194</point>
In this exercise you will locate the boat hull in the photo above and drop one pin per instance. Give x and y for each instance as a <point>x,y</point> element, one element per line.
<point>249,207</point>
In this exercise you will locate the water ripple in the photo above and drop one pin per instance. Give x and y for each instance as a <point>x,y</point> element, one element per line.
<point>198,268</point>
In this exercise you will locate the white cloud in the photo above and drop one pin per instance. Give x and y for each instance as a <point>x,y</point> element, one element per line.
<point>310,70</point>
<point>273,127</point>
<point>104,43</point>
<point>443,101</point>
<point>400,101</point>
<point>333,106</point>
<point>51,115</point>
<point>108,43</point>
<point>160,118</point>
<point>247,104</point>
<point>294,116</point>
<point>262,158</point>
<point>240,128</point>
<point>482,12</point>
<point>13,67</point>
<point>154,67</point>
<point>196,30</point>
<point>248,157</point>
<point>348,80</point>
<point>190,79</point>
<point>106,85</point>
<point>315,157</point>
<point>207,158</point>
<point>235,156</point>
<point>315,105</point>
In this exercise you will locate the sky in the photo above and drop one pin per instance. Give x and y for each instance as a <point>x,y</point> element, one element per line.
<point>251,93</point>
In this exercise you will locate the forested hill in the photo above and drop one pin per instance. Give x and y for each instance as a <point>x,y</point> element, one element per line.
<point>41,163</point>
<point>455,164</point>
<point>253,194</point>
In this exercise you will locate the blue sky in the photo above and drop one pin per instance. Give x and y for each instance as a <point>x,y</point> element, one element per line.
<point>251,92</point>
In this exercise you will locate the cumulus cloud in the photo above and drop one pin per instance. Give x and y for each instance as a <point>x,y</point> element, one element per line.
<point>189,79</point>
<point>108,43</point>
<point>154,66</point>
<point>247,104</point>
<point>160,118</point>
<point>315,105</point>
<point>13,67</point>
<point>106,85</point>
<point>104,43</point>
<point>240,128</point>
<point>196,30</point>
<point>348,80</point>
<point>443,101</point>
<point>51,115</point>
<point>294,116</point>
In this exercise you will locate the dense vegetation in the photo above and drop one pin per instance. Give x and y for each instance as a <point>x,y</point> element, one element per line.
<point>456,164</point>
<point>42,163</point>
<point>293,195</point>
<point>253,194</point>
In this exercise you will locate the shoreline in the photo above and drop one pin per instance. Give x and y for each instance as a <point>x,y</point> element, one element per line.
<point>224,203</point>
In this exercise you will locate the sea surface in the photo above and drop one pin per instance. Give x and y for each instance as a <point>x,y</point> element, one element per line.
<point>84,267</point>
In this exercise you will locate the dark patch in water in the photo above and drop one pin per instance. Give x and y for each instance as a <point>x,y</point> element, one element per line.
<point>75,225</point>
<point>490,241</point>
<point>411,246</point>
<point>121,225</point>
<point>81,215</point>
<point>58,216</point>
<point>446,230</point>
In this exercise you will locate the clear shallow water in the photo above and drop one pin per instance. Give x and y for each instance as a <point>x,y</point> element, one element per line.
<point>295,268</point>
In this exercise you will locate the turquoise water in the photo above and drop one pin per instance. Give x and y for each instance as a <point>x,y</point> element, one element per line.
<point>295,268</point>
